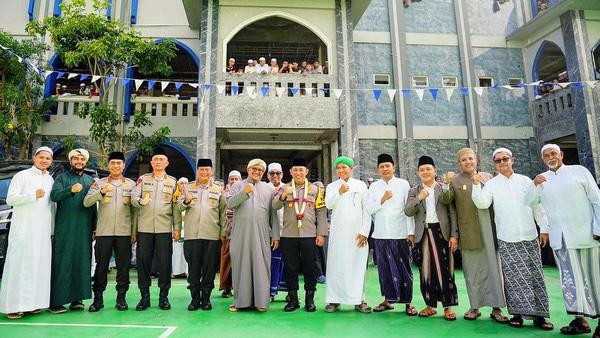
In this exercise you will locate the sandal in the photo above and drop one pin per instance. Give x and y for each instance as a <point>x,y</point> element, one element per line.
<point>362,308</point>
<point>427,312</point>
<point>411,311</point>
<point>449,315</point>
<point>332,307</point>
<point>232,308</point>
<point>16,315</point>
<point>576,326</point>
<point>516,322</point>
<point>261,309</point>
<point>472,314</point>
<point>385,306</point>
<point>543,324</point>
<point>499,318</point>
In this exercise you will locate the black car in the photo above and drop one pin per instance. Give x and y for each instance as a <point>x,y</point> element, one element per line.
<point>8,169</point>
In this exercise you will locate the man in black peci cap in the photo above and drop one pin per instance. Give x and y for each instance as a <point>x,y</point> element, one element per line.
<point>304,225</point>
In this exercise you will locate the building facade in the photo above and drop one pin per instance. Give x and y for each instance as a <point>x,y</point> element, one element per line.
<point>379,44</point>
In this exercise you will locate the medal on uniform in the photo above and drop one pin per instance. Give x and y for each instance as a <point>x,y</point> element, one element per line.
<point>464,187</point>
<point>106,199</point>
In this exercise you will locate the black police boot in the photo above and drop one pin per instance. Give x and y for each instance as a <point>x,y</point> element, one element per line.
<point>145,301</point>
<point>121,303</point>
<point>309,302</point>
<point>293,303</point>
<point>196,302</point>
<point>163,300</point>
<point>98,302</point>
<point>206,305</point>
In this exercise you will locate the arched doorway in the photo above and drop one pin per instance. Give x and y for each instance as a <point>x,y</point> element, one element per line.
<point>276,37</point>
<point>181,163</point>
<point>69,86</point>
<point>549,62</point>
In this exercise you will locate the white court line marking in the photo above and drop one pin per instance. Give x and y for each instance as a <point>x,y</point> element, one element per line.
<point>168,329</point>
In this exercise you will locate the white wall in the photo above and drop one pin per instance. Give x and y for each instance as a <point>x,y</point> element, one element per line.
<point>13,16</point>
<point>159,18</point>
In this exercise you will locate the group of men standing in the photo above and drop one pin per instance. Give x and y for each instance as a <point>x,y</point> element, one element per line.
<point>258,227</point>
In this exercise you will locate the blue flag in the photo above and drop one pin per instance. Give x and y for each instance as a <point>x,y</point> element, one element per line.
<point>206,86</point>
<point>464,91</point>
<point>178,85</point>
<point>265,91</point>
<point>377,94</point>
<point>294,90</point>
<point>151,84</point>
<point>434,93</point>
<point>125,82</point>
<point>84,76</point>
<point>324,90</point>
<point>60,74</point>
<point>234,89</point>
<point>107,80</point>
<point>578,85</point>
<point>406,92</point>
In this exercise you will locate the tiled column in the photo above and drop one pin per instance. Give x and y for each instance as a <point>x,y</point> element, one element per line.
<point>580,68</point>
<point>345,60</point>
<point>207,103</point>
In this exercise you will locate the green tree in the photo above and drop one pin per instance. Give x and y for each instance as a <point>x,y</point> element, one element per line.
<point>22,108</point>
<point>106,48</point>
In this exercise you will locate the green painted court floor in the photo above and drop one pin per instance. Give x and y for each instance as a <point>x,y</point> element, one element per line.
<point>178,322</point>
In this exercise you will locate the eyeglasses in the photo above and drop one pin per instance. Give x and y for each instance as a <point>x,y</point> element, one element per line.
<point>257,170</point>
<point>502,160</point>
<point>278,173</point>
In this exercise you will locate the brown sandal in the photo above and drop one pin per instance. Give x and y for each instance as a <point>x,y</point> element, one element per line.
<point>427,312</point>
<point>16,315</point>
<point>449,315</point>
<point>383,307</point>
<point>232,308</point>
<point>472,314</point>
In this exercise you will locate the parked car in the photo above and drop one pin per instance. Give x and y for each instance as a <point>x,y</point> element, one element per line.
<point>8,170</point>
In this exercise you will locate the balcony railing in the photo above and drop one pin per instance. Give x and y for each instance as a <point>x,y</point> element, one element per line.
<point>305,100</point>
<point>65,120</point>
<point>554,114</point>
<point>180,115</point>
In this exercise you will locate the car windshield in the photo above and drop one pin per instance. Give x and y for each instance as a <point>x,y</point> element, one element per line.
<point>4,188</point>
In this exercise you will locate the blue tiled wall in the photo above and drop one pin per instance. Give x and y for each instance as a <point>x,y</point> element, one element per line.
<point>430,16</point>
<point>376,17</point>
<point>436,62</point>
<point>373,58</point>
<point>501,107</point>
<point>483,20</point>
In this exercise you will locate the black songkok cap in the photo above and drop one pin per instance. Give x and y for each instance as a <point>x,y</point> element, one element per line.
<point>116,155</point>
<point>298,162</point>
<point>159,151</point>
<point>425,160</point>
<point>384,158</point>
<point>204,162</point>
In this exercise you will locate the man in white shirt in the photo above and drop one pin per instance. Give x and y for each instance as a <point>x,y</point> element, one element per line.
<point>516,211</point>
<point>572,201</point>
<point>262,67</point>
<point>394,235</point>
<point>250,68</point>
<point>436,238</point>
<point>275,174</point>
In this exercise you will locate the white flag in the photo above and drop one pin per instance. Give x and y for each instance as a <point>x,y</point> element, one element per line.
<point>72,75</point>
<point>95,78</point>
<point>251,90</point>
<point>420,93</point>
<point>449,92</point>
<point>391,94</point>
<point>47,73</point>
<point>478,90</point>
<point>508,87</point>
<point>220,89</point>
<point>337,93</point>
<point>280,91</point>
<point>536,83</point>
<point>138,83</point>
<point>592,84</point>
<point>195,85</point>
<point>164,85</point>
<point>20,59</point>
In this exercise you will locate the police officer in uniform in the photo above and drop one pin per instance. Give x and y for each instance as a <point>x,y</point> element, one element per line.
<point>304,226</point>
<point>159,222</point>
<point>205,222</point>
<point>116,220</point>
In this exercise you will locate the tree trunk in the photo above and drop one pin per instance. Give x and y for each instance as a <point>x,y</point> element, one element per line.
<point>23,150</point>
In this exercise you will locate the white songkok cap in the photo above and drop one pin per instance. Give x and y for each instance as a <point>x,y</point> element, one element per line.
<point>275,167</point>
<point>44,148</point>
<point>234,173</point>
<point>79,151</point>
<point>232,59</point>
<point>257,162</point>
<point>502,150</point>
<point>273,59</point>
<point>550,146</point>
<point>183,180</point>
<point>250,60</point>
<point>262,59</point>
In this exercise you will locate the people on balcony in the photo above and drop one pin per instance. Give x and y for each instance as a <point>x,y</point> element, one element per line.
<point>231,67</point>
<point>262,67</point>
<point>285,68</point>
<point>250,68</point>
<point>273,68</point>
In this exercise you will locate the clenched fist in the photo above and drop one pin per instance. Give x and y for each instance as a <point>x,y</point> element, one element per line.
<point>539,179</point>
<point>386,196</point>
<point>423,195</point>
<point>77,187</point>
<point>448,177</point>
<point>344,187</point>
<point>107,188</point>
<point>476,179</point>
<point>248,188</point>
<point>40,193</point>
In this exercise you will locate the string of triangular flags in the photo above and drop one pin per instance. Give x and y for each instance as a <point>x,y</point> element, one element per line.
<point>252,91</point>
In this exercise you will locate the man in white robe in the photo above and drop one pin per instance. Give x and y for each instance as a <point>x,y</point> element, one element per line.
<point>26,277</point>
<point>348,250</point>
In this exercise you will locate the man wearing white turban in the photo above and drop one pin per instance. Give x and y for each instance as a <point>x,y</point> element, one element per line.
<point>72,240</point>
<point>26,278</point>
<point>255,232</point>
